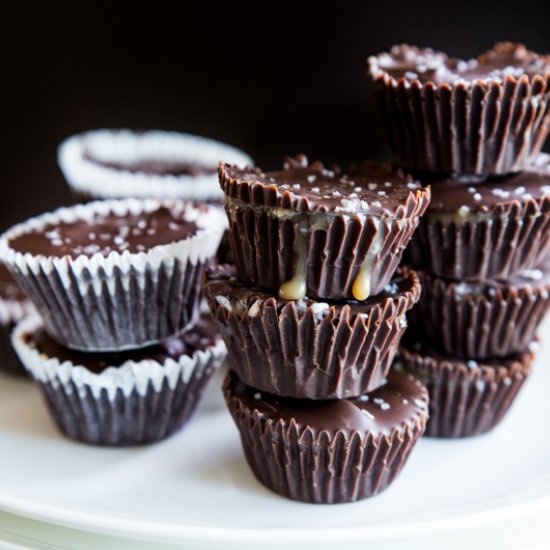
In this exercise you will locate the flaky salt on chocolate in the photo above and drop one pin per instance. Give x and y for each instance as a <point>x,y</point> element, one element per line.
<point>312,231</point>
<point>484,116</point>
<point>488,229</point>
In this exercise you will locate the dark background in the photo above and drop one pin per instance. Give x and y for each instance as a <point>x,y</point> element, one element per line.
<point>272,78</point>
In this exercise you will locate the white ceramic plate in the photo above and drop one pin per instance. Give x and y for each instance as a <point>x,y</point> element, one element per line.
<point>196,487</point>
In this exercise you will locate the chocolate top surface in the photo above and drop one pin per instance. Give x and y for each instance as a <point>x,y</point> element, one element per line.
<point>538,277</point>
<point>223,285</point>
<point>424,350</point>
<point>453,194</point>
<point>156,167</point>
<point>426,65</point>
<point>401,400</point>
<point>372,188</point>
<point>9,289</point>
<point>104,234</point>
<point>203,335</point>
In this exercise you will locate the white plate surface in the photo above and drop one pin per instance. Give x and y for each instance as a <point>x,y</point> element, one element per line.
<point>196,487</point>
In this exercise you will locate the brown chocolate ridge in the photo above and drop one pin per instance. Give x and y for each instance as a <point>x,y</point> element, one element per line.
<point>295,449</point>
<point>309,349</point>
<point>495,319</point>
<point>466,398</point>
<point>491,126</point>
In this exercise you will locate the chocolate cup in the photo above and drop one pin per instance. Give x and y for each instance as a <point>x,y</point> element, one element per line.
<point>262,246</point>
<point>496,244</point>
<point>316,466</point>
<point>124,300</point>
<point>137,403</point>
<point>278,238</point>
<point>478,321</point>
<point>294,349</point>
<point>466,398</point>
<point>481,127</point>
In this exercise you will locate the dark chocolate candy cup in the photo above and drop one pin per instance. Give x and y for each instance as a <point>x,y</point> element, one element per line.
<point>274,235</point>
<point>124,300</point>
<point>478,246</point>
<point>466,398</point>
<point>493,321</point>
<point>482,127</point>
<point>293,349</point>
<point>137,403</point>
<point>315,466</point>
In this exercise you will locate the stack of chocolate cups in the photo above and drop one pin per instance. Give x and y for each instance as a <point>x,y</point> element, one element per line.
<point>473,130</point>
<point>312,314</point>
<point>118,349</point>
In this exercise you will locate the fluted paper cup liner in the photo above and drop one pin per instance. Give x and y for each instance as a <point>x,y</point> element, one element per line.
<point>467,398</point>
<point>490,126</point>
<point>480,321</point>
<point>123,300</point>
<point>93,164</point>
<point>318,466</point>
<point>478,246</point>
<point>309,349</point>
<point>136,403</point>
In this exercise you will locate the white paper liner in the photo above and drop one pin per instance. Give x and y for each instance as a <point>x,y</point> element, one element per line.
<point>13,311</point>
<point>79,397</point>
<point>122,300</point>
<point>89,178</point>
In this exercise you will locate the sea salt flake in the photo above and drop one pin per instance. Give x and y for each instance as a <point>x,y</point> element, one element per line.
<point>471,364</point>
<point>477,196</point>
<point>358,189</point>
<point>372,186</point>
<point>173,226</point>
<point>296,186</point>
<point>533,274</point>
<point>315,189</point>
<point>501,193</point>
<point>311,178</point>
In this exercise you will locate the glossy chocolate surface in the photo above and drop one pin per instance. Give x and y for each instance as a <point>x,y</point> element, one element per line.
<point>201,336</point>
<point>107,233</point>
<point>401,400</point>
<point>449,195</point>
<point>371,188</point>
